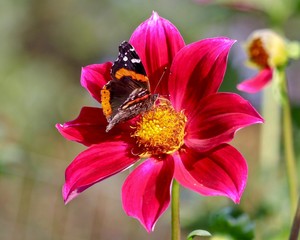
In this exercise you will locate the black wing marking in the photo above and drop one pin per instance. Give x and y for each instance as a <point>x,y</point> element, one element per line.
<point>129,60</point>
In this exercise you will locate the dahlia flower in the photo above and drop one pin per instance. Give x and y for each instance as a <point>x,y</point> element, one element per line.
<point>184,136</point>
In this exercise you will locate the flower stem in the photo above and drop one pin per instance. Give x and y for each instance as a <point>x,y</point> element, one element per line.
<point>289,144</point>
<point>296,224</point>
<point>175,211</point>
<point>269,153</point>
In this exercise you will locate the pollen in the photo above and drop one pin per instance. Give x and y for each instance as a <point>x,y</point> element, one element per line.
<point>161,130</point>
<point>258,53</point>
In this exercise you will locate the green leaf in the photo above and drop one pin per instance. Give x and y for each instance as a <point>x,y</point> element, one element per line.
<point>234,223</point>
<point>199,233</point>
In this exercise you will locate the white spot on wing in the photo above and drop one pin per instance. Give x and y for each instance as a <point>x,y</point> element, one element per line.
<point>134,60</point>
<point>125,59</point>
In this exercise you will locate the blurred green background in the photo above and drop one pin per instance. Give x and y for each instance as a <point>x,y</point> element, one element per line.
<point>43,46</point>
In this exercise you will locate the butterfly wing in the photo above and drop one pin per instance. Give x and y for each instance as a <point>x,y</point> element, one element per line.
<point>129,64</point>
<point>127,94</point>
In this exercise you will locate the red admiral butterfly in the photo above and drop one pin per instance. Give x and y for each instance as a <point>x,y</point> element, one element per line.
<point>128,93</point>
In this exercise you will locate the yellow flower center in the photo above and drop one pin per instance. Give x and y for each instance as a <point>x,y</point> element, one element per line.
<point>160,130</point>
<point>258,54</point>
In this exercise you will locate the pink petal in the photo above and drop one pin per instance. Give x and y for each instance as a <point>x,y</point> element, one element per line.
<point>221,172</point>
<point>257,83</point>
<point>94,165</point>
<point>157,41</point>
<point>216,119</point>
<point>197,71</point>
<point>146,191</point>
<point>89,128</point>
<point>94,76</point>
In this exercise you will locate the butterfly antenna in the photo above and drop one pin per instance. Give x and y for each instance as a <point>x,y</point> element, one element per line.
<point>163,74</point>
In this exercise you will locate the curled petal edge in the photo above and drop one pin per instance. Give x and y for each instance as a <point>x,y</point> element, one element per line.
<point>94,165</point>
<point>257,83</point>
<point>190,175</point>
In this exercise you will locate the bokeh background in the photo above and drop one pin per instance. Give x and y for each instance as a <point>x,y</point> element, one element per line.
<point>44,44</point>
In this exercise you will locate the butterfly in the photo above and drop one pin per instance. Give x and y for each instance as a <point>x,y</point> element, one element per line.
<point>128,93</point>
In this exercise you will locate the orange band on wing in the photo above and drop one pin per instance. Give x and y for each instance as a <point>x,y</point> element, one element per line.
<point>135,101</point>
<point>105,98</point>
<point>123,72</point>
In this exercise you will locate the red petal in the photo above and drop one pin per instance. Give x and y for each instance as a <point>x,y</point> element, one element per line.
<point>216,118</point>
<point>197,71</point>
<point>146,191</point>
<point>157,41</point>
<point>257,83</point>
<point>94,76</point>
<point>94,165</point>
<point>89,128</point>
<point>222,172</point>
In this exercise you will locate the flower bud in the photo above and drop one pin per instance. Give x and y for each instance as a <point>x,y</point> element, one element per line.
<point>266,48</point>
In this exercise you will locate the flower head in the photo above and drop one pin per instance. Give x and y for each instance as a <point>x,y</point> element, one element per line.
<point>183,136</point>
<point>160,131</point>
<point>266,48</point>
<point>266,51</point>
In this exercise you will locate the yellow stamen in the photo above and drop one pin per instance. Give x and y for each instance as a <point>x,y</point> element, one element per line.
<point>160,130</point>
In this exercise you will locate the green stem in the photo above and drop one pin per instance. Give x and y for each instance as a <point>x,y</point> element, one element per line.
<point>175,211</point>
<point>289,144</point>
<point>269,153</point>
<point>296,224</point>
